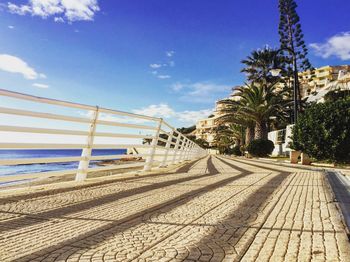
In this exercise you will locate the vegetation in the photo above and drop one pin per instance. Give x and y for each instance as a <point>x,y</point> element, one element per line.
<point>323,131</point>
<point>186,130</point>
<point>258,64</point>
<point>260,148</point>
<point>337,94</point>
<point>228,136</point>
<point>291,35</point>
<point>292,38</point>
<point>265,102</point>
<point>259,104</point>
<point>236,151</point>
<point>202,143</point>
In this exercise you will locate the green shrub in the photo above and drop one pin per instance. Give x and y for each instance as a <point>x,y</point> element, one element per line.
<point>323,131</point>
<point>260,147</point>
<point>236,151</point>
<point>336,94</point>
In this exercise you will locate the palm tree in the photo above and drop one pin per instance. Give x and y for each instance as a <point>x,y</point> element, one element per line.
<point>230,115</point>
<point>260,102</point>
<point>222,143</point>
<point>259,63</point>
<point>234,133</point>
<point>253,105</point>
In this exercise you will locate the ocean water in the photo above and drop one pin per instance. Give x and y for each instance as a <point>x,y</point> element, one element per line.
<point>37,168</point>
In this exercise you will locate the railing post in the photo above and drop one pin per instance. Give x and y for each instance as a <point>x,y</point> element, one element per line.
<point>183,146</point>
<point>189,150</point>
<point>150,158</point>
<point>190,154</point>
<point>87,151</point>
<point>184,150</point>
<point>197,153</point>
<point>179,150</point>
<point>167,148</point>
<point>176,148</point>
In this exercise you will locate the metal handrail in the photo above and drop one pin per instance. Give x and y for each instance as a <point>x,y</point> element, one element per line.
<point>177,146</point>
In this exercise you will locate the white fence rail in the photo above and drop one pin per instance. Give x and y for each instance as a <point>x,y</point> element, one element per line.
<point>53,130</point>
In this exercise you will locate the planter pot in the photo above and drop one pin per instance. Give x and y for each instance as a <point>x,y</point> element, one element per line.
<point>305,159</point>
<point>294,155</point>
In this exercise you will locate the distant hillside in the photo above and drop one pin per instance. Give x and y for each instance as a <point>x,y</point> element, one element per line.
<point>186,130</point>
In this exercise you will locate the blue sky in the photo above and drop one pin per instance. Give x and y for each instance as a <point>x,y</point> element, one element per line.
<point>171,58</point>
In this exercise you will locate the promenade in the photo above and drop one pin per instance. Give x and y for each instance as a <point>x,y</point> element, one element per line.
<point>212,209</point>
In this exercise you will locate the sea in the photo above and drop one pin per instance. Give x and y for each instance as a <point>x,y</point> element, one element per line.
<point>37,168</point>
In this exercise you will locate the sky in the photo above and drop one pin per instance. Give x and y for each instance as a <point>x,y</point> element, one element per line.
<point>170,59</point>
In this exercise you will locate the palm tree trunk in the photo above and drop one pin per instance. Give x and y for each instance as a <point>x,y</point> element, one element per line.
<point>260,130</point>
<point>249,135</point>
<point>238,143</point>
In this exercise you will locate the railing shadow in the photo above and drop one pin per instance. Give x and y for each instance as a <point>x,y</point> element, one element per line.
<point>295,166</point>
<point>92,237</point>
<point>237,222</point>
<point>11,199</point>
<point>32,219</point>
<point>282,169</point>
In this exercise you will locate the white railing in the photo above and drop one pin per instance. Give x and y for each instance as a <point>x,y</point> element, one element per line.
<point>166,145</point>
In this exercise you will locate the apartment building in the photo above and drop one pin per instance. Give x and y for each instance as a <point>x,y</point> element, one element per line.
<point>206,128</point>
<point>322,77</point>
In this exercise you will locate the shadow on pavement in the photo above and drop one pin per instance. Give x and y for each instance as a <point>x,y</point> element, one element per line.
<point>94,236</point>
<point>11,199</point>
<point>237,222</point>
<point>32,219</point>
<point>257,165</point>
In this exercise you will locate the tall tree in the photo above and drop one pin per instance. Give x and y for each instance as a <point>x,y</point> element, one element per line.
<point>230,114</point>
<point>291,35</point>
<point>259,103</point>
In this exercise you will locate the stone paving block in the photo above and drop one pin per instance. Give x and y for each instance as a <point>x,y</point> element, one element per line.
<point>222,209</point>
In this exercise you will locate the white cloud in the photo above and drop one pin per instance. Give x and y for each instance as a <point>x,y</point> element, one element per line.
<point>177,87</point>
<point>164,76</point>
<point>165,111</point>
<point>170,53</point>
<point>11,27</point>
<point>202,92</point>
<point>194,116</point>
<point>14,64</point>
<point>338,46</point>
<point>113,118</point>
<point>59,20</point>
<point>155,66</point>
<point>40,85</point>
<point>70,10</point>
<point>161,110</point>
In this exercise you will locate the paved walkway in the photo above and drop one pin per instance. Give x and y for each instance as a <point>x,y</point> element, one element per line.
<point>215,209</point>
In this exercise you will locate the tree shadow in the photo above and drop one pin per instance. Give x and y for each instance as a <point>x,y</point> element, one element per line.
<point>257,165</point>
<point>108,231</point>
<point>226,234</point>
<point>280,165</point>
<point>32,219</point>
<point>11,199</point>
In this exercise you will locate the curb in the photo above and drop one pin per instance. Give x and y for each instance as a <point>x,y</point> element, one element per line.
<point>340,188</point>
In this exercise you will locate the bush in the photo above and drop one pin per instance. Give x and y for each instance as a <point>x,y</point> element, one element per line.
<point>323,131</point>
<point>260,147</point>
<point>236,151</point>
<point>337,94</point>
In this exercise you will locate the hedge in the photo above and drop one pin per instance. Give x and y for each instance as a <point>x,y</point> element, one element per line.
<point>323,131</point>
<point>260,147</point>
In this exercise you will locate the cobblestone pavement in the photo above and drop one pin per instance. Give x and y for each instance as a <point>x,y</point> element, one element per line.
<point>215,209</point>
